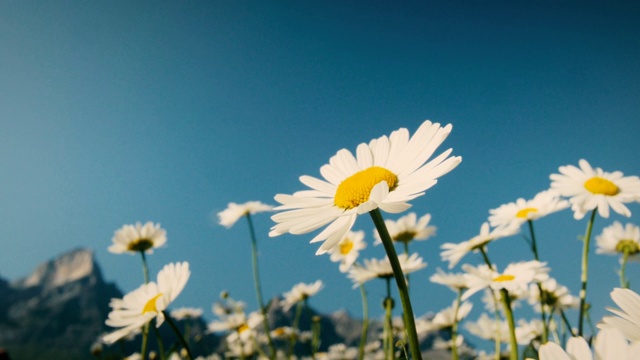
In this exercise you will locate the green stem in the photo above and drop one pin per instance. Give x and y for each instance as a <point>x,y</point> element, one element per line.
<point>315,340</point>
<point>145,331</point>
<point>145,341</point>
<point>566,321</point>
<point>294,328</point>
<point>624,283</point>
<point>543,295</point>
<point>454,327</point>
<point>256,281</point>
<point>388,324</point>
<point>403,291</point>
<point>513,341</point>
<point>585,272</point>
<point>498,340</point>
<point>365,322</point>
<point>159,342</point>
<point>181,339</point>
<point>145,269</point>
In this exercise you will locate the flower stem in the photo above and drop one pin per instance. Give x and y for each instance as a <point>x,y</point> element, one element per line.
<point>256,281</point>
<point>145,331</point>
<point>175,329</point>
<point>585,272</point>
<point>401,283</point>
<point>294,327</point>
<point>624,283</point>
<point>543,294</point>
<point>387,304</point>
<point>454,328</point>
<point>365,322</point>
<point>508,313</point>
<point>498,340</point>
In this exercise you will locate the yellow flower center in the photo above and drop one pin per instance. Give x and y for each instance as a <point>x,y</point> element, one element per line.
<point>150,306</point>
<point>504,277</point>
<point>597,185</point>
<point>524,213</point>
<point>279,331</point>
<point>355,189</point>
<point>140,245</point>
<point>243,327</point>
<point>629,247</point>
<point>405,236</point>
<point>346,246</point>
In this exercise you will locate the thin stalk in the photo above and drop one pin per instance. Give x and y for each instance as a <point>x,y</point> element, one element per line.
<point>175,329</point>
<point>145,331</point>
<point>159,342</point>
<point>294,326</point>
<point>624,282</point>
<point>566,321</point>
<point>403,291</point>
<point>365,322</point>
<point>543,295</point>
<point>585,272</point>
<point>388,325</point>
<point>513,341</point>
<point>258,287</point>
<point>315,340</point>
<point>498,340</point>
<point>454,327</point>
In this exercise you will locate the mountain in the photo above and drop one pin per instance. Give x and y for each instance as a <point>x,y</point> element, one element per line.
<point>59,310</point>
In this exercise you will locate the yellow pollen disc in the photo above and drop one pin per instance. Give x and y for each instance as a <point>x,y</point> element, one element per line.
<point>630,247</point>
<point>346,246</point>
<point>279,331</point>
<point>151,305</point>
<point>504,277</point>
<point>597,185</point>
<point>405,236</point>
<point>355,189</point>
<point>524,213</point>
<point>140,245</point>
<point>243,327</point>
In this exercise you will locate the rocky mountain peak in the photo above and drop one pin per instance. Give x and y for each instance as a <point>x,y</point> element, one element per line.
<point>68,267</point>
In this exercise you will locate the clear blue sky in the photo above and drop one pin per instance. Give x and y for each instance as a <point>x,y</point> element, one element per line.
<point>116,112</point>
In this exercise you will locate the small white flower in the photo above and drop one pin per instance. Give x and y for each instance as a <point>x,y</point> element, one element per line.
<point>348,249</point>
<point>147,302</point>
<point>520,211</point>
<point>234,212</point>
<point>453,253</point>
<point>374,268</point>
<point>455,282</point>
<point>138,238</point>
<point>407,228</point>
<point>588,188</point>
<point>186,313</point>
<point>300,292</point>
<point>515,278</point>
<point>616,240</point>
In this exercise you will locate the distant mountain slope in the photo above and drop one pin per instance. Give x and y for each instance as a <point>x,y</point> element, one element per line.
<point>59,310</point>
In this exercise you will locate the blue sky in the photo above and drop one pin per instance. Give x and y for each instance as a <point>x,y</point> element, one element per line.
<point>117,112</point>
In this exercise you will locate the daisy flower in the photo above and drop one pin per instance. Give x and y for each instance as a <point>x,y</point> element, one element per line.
<point>455,282</point>
<point>374,268</point>
<point>407,228</point>
<point>628,316</point>
<point>516,213</point>
<point>348,249</point>
<point>588,188</point>
<point>609,344</point>
<point>487,328</point>
<point>515,278</point>
<point>186,313</point>
<point>616,239</point>
<point>138,238</point>
<point>453,253</point>
<point>300,292</point>
<point>234,212</point>
<point>556,296</point>
<point>147,302</point>
<point>386,173</point>
<point>445,317</point>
